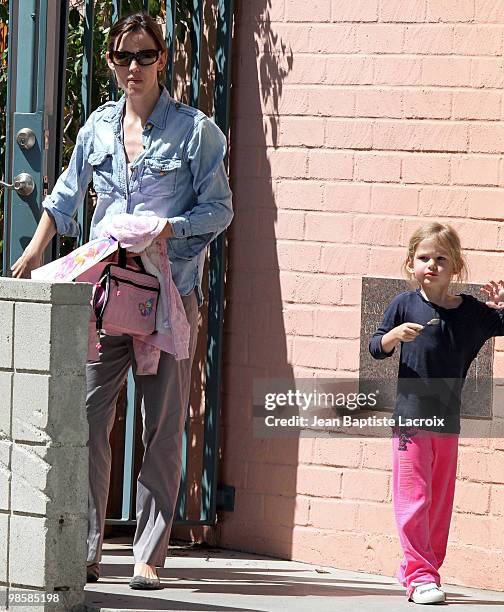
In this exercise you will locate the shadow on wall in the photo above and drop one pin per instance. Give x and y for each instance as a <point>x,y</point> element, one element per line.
<point>263,471</point>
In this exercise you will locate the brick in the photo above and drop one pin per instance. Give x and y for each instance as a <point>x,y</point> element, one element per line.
<point>425,168</point>
<point>377,455</point>
<point>316,353</point>
<point>297,35</point>
<point>487,72</point>
<point>331,102</point>
<point>477,234</point>
<point>298,320</point>
<point>302,288</point>
<point>6,410</point>
<point>301,257</point>
<point>478,531</point>
<point>428,39</point>
<point>333,514</point>
<point>488,11</point>
<point>480,466</point>
<point>327,164</point>
<point>289,224</point>
<point>6,333</point>
<point>338,452</point>
<point>352,70</point>
<point>319,10</point>
<point>42,483</point>
<point>379,103</point>
<point>483,267</point>
<point>271,479</point>
<point>447,11</point>
<point>328,227</point>
<point>348,355</point>
<point>384,167</point>
<point>285,163</point>
<point>337,323</point>
<point>391,70</point>
<point>376,519</point>
<point>350,291</point>
<point>386,261</point>
<point>286,511</point>
<point>347,197</point>
<point>356,10</point>
<point>305,195</point>
<point>443,202</point>
<point>380,38</point>
<point>349,134</point>
<point>478,40</point>
<point>4,539</point>
<point>306,70</point>
<point>484,204</point>
<point>446,71</point>
<point>476,104</point>
<point>296,131</point>
<point>343,259</point>
<point>5,475</point>
<point>497,500</point>
<point>427,104</point>
<point>369,485</point>
<point>394,200</point>
<point>49,409</point>
<point>421,136</point>
<point>472,498</point>
<point>486,138</point>
<point>366,230</point>
<point>473,566</point>
<point>318,481</point>
<point>249,507</point>
<point>58,565</point>
<point>332,38</point>
<point>475,170</point>
<point>398,11</point>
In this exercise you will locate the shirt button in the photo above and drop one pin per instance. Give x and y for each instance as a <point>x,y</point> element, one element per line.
<point>148,126</point>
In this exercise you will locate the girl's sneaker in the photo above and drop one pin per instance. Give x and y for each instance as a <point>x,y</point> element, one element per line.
<point>427,593</point>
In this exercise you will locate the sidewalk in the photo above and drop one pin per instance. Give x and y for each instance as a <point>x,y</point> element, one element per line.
<point>216,580</point>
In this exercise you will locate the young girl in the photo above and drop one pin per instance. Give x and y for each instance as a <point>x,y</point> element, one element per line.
<point>440,334</point>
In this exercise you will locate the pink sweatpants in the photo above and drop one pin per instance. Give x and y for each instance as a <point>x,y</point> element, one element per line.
<point>424,471</point>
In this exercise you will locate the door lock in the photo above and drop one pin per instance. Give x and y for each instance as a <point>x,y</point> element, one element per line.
<point>26,138</point>
<point>23,184</point>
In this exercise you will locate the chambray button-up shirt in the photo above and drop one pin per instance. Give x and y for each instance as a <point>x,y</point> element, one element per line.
<point>180,175</point>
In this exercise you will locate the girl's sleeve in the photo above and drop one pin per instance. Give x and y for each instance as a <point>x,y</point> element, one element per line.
<point>493,321</point>
<point>392,318</point>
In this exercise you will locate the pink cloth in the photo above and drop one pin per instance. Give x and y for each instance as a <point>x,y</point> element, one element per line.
<point>424,471</point>
<point>135,233</point>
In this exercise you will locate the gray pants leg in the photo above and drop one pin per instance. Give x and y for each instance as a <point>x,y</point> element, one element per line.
<point>165,397</point>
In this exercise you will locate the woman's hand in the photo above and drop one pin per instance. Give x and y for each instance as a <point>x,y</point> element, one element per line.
<point>495,293</point>
<point>29,260</point>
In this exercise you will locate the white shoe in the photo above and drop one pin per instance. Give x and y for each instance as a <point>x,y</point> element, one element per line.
<point>427,593</point>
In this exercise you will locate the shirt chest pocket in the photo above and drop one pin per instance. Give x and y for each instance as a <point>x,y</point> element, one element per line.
<point>102,171</point>
<point>159,176</point>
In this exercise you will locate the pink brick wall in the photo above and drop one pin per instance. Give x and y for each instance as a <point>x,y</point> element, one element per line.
<point>353,122</point>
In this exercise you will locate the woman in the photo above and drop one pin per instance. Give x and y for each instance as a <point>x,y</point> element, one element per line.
<point>146,154</point>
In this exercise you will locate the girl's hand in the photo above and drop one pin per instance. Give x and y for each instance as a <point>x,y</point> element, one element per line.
<point>495,293</point>
<point>407,332</point>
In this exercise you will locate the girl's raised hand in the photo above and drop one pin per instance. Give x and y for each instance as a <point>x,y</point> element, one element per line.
<point>495,293</point>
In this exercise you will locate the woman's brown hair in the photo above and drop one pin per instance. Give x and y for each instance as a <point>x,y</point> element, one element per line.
<point>134,23</point>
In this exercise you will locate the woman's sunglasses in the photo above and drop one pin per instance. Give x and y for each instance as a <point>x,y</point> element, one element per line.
<point>143,58</point>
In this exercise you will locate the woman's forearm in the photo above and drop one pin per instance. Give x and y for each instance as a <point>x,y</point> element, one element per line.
<point>44,233</point>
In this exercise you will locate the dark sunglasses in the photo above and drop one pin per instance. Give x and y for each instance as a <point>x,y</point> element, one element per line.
<point>143,58</point>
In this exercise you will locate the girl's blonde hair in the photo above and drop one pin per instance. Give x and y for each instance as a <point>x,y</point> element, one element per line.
<point>447,238</point>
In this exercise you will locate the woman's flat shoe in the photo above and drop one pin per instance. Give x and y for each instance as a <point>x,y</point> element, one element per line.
<point>147,584</point>
<point>93,572</point>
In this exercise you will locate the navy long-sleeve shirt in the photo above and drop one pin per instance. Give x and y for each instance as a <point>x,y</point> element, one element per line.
<point>433,367</point>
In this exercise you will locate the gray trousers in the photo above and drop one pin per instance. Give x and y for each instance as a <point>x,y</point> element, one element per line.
<point>165,397</point>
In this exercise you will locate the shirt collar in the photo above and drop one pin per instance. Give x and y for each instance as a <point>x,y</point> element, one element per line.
<point>157,117</point>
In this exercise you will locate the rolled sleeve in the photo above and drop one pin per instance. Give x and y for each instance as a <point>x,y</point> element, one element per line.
<point>70,189</point>
<point>213,211</point>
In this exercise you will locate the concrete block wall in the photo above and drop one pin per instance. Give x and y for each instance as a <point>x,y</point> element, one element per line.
<point>353,122</point>
<point>43,439</point>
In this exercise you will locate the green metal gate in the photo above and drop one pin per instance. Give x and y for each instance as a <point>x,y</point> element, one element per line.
<point>37,60</point>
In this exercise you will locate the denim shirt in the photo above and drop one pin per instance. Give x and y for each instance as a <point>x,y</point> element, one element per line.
<point>180,175</point>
